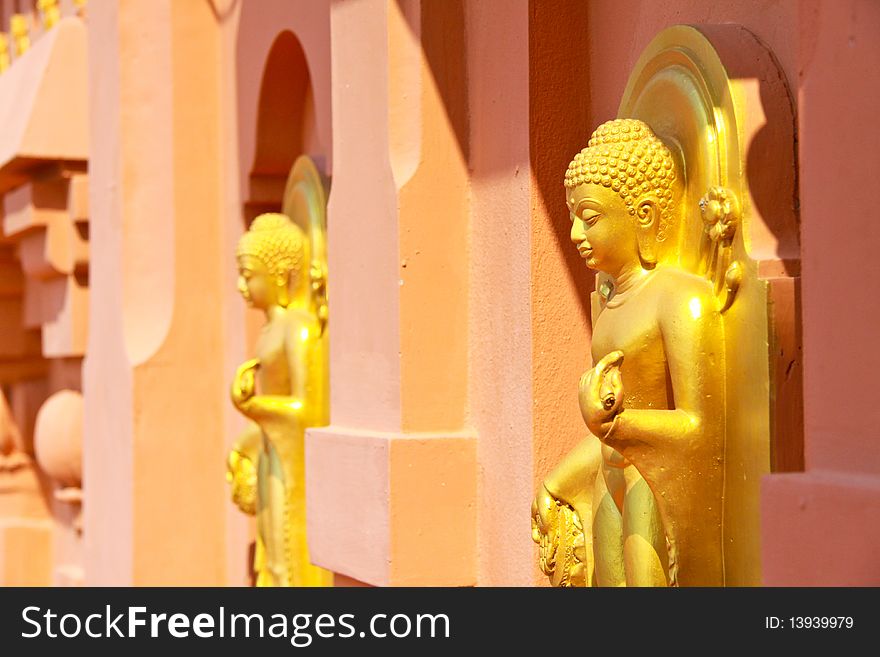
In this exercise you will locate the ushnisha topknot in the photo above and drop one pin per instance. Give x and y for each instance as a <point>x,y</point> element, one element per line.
<point>274,240</point>
<point>626,155</point>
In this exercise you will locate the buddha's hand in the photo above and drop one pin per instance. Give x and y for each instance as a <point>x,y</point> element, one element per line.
<point>243,385</point>
<point>241,468</point>
<point>241,473</point>
<point>559,533</point>
<point>601,394</point>
<point>543,529</point>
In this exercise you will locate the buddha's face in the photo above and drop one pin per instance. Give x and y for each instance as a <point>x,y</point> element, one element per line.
<point>255,284</point>
<point>602,228</point>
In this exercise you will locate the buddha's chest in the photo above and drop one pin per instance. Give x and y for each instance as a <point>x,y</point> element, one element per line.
<point>271,349</point>
<point>633,329</point>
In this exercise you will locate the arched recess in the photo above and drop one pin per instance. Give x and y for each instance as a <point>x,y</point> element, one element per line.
<point>285,127</point>
<point>280,84</point>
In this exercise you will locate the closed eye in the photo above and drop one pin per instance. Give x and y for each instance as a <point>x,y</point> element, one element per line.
<point>590,218</point>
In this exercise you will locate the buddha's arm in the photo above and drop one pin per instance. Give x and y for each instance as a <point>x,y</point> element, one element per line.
<point>652,427</point>
<point>693,341</point>
<point>264,409</point>
<point>292,409</point>
<point>571,480</point>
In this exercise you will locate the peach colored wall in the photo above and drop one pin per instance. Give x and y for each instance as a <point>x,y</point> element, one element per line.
<point>364,344</point>
<point>239,527</point>
<point>347,478</point>
<point>430,172</point>
<point>500,350</point>
<point>151,463</point>
<point>561,285</point>
<point>838,94</point>
<point>107,463</point>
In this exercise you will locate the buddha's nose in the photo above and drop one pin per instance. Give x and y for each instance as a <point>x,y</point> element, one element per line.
<point>578,234</point>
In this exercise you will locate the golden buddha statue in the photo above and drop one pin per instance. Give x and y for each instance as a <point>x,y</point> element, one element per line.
<point>282,391</point>
<point>682,397</point>
<point>655,388</point>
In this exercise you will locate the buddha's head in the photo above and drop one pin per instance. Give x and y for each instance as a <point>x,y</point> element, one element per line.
<point>271,262</point>
<point>621,192</point>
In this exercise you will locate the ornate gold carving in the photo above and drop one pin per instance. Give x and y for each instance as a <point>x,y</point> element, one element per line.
<point>558,530</point>
<point>283,390</point>
<point>19,28</point>
<point>305,202</point>
<point>241,474</point>
<point>4,52</point>
<point>720,212</point>
<point>50,12</point>
<point>667,481</point>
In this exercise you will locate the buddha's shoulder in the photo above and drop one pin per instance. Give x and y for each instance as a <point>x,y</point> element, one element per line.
<point>674,282</point>
<point>297,321</point>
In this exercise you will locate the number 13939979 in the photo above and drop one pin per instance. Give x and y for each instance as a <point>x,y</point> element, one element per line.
<point>809,623</point>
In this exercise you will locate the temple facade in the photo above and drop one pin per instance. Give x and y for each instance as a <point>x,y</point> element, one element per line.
<point>445,306</point>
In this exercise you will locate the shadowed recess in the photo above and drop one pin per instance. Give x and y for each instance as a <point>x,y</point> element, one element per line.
<point>285,122</point>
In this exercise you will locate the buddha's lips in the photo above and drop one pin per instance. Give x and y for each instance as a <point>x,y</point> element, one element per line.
<point>585,253</point>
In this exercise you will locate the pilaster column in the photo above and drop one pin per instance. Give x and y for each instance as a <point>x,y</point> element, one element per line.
<point>155,385</point>
<point>392,481</point>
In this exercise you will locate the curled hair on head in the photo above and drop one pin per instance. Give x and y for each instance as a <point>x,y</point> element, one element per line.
<point>626,156</point>
<point>275,241</point>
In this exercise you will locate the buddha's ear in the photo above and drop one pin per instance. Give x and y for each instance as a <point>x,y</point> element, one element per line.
<point>647,222</point>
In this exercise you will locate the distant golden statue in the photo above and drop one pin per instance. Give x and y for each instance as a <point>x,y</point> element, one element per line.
<point>283,390</point>
<point>664,489</point>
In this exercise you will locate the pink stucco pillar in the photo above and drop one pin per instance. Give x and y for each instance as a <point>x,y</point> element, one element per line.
<point>822,526</point>
<point>392,481</point>
<point>154,384</point>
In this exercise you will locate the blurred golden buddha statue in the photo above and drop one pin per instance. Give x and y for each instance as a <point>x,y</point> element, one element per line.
<point>688,399</point>
<point>282,393</point>
<point>654,399</point>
